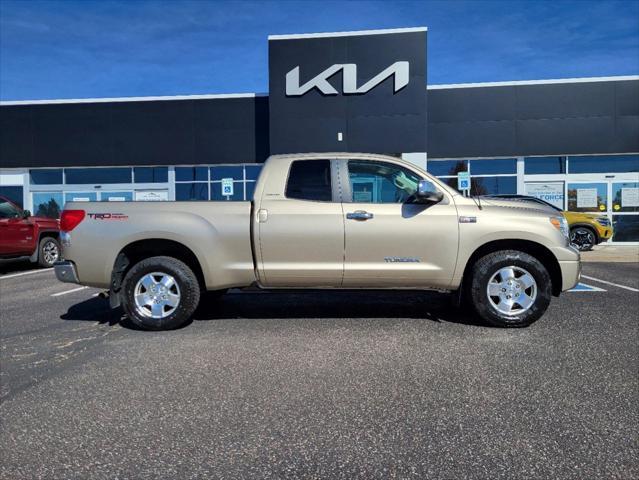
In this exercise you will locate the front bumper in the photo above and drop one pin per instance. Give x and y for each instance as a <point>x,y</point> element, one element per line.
<point>570,274</point>
<point>65,271</point>
<point>604,233</point>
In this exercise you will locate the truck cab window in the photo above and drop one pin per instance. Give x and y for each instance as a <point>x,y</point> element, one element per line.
<point>380,182</point>
<point>7,210</point>
<point>310,180</point>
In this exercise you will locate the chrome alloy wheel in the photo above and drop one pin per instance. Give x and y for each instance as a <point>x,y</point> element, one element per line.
<point>512,290</point>
<point>157,295</point>
<point>50,252</point>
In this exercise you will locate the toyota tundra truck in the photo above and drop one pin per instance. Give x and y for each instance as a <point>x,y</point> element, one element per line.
<point>330,220</point>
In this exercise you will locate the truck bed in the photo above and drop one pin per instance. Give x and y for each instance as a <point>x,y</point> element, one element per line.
<point>218,234</point>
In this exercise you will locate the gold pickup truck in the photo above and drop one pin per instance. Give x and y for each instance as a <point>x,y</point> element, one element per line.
<point>329,220</point>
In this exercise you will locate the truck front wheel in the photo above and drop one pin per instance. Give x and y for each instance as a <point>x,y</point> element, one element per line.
<point>510,288</point>
<point>160,293</point>
<point>48,252</point>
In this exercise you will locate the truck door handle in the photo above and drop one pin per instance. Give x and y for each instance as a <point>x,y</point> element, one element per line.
<point>359,215</point>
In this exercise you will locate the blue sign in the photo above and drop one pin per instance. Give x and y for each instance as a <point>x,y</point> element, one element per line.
<point>463,181</point>
<point>227,186</point>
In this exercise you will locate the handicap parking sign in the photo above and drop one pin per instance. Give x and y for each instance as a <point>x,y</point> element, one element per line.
<point>463,181</point>
<point>227,186</point>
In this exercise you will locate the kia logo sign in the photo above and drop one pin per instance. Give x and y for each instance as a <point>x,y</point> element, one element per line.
<point>398,70</point>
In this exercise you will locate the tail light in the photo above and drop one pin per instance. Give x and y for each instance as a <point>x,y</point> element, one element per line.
<point>71,219</point>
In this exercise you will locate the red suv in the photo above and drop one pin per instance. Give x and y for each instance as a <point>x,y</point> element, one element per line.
<point>23,235</point>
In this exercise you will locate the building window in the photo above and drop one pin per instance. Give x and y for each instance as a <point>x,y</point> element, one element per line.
<point>604,164</point>
<point>191,174</point>
<point>494,166</point>
<point>97,176</point>
<point>492,185</point>
<point>441,168</point>
<point>150,174</point>
<point>236,173</point>
<point>625,197</point>
<point>541,165</point>
<point>13,193</point>
<point>206,182</point>
<point>192,191</point>
<point>116,196</point>
<point>625,228</point>
<point>46,176</point>
<point>80,197</point>
<point>252,171</point>
<point>588,197</point>
<point>47,204</point>
<point>488,176</point>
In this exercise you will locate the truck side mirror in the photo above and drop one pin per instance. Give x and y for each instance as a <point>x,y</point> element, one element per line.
<point>428,193</point>
<point>26,214</point>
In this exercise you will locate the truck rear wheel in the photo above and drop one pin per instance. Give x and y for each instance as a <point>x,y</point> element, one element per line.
<point>510,288</point>
<point>160,293</point>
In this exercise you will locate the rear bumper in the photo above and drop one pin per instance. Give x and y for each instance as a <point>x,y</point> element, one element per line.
<point>65,271</point>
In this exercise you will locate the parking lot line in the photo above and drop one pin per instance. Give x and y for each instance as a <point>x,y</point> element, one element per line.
<point>584,287</point>
<point>68,291</point>
<point>30,272</point>
<point>632,289</point>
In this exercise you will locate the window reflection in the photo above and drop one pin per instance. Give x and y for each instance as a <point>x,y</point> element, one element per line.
<point>603,164</point>
<point>625,197</point>
<point>97,175</point>
<point>191,191</point>
<point>47,204</point>
<point>587,197</point>
<point>625,228</point>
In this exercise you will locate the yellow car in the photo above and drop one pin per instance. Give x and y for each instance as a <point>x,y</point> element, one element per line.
<point>586,229</point>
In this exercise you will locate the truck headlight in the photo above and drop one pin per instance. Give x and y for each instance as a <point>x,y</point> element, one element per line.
<point>561,224</point>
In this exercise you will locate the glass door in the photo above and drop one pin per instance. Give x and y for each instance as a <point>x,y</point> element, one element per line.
<point>625,211</point>
<point>617,199</point>
<point>588,197</point>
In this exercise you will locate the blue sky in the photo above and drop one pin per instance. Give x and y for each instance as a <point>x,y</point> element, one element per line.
<point>82,49</point>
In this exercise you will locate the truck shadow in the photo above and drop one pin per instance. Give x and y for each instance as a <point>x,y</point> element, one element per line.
<point>17,265</point>
<point>293,304</point>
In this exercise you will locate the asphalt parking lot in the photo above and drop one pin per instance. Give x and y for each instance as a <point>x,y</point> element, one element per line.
<point>319,385</point>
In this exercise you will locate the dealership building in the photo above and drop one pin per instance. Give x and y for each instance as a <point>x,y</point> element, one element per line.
<point>572,142</point>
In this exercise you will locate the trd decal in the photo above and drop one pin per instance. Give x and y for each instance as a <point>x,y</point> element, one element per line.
<point>108,216</point>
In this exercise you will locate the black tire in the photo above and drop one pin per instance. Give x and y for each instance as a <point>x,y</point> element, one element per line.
<point>49,252</point>
<point>187,283</point>
<point>486,267</point>
<point>583,238</point>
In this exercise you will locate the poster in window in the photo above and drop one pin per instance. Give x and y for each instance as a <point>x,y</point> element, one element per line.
<point>630,197</point>
<point>552,193</point>
<point>586,198</point>
<point>151,195</point>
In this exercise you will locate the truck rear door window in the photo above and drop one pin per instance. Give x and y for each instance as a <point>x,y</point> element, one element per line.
<point>310,180</point>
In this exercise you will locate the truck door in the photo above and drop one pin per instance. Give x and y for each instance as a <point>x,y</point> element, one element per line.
<point>16,233</point>
<point>388,241</point>
<point>301,226</point>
